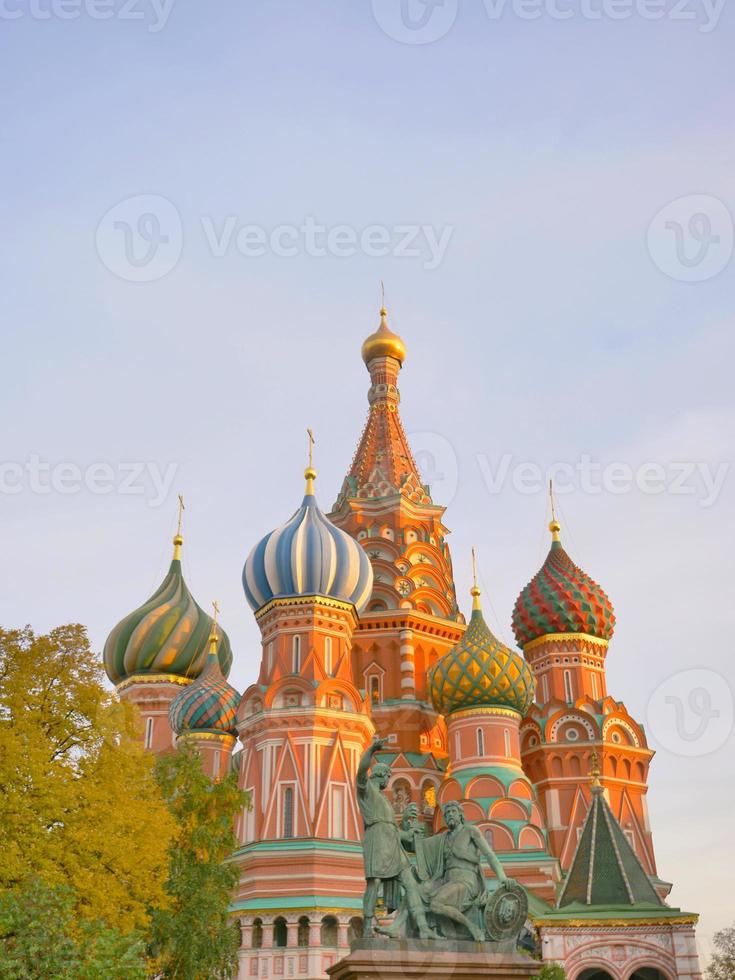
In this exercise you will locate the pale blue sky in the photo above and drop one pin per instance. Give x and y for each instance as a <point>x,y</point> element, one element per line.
<point>547,331</point>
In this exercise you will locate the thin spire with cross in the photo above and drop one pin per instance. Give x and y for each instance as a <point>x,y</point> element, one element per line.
<point>213,635</point>
<point>310,472</point>
<point>178,539</point>
<point>554,525</point>
<point>475,590</point>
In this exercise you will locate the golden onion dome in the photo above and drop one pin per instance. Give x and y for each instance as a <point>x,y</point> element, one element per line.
<point>383,343</point>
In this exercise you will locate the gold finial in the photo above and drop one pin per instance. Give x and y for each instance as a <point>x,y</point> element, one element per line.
<point>475,590</point>
<point>310,472</point>
<point>383,342</point>
<point>595,783</point>
<point>178,540</point>
<point>554,525</point>
<point>213,634</point>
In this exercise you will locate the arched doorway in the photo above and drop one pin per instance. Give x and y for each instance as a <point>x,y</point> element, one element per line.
<point>648,973</point>
<point>595,973</point>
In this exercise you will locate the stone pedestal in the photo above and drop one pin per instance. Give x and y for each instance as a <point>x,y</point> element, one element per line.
<point>415,959</point>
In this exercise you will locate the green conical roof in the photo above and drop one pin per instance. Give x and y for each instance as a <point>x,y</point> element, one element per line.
<point>605,869</point>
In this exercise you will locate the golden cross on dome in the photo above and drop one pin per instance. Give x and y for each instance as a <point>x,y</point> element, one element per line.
<point>475,590</point>
<point>554,525</point>
<point>382,295</point>
<point>213,634</point>
<point>178,540</point>
<point>310,472</point>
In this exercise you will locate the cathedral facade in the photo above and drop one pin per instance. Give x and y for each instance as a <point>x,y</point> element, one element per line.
<point>362,635</point>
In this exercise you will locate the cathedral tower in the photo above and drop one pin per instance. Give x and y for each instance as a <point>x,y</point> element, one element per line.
<point>304,726</point>
<point>564,621</point>
<point>159,648</point>
<point>484,688</point>
<point>411,618</point>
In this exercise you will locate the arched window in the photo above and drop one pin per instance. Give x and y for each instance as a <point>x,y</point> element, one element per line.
<point>355,929</point>
<point>568,689</point>
<point>215,764</point>
<point>545,687</point>
<point>328,655</point>
<point>257,940</point>
<point>375,688</point>
<point>480,742</point>
<point>269,657</point>
<point>288,812</point>
<point>303,932</point>
<point>148,733</point>
<point>280,932</point>
<point>506,742</point>
<point>595,689</point>
<point>296,657</point>
<point>329,931</point>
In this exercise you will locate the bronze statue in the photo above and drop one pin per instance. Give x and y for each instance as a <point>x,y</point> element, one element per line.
<point>385,859</point>
<point>446,886</point>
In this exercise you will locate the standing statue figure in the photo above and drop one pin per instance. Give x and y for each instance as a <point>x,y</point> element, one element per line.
<point>386,861</point>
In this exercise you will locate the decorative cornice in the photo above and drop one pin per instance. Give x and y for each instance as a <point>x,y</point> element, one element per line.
<point>227,740</point>
<point>631,923</point>
<point>152,679</point>
<point>593,641</point>
<point>484,710</point>
<point>305,600</point>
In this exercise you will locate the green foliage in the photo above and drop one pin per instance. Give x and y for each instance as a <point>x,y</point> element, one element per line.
<point>722,964</point>
<point>79,804</point>
<point>194,939</point>
<point>37,940</point>
<point>552,971</point>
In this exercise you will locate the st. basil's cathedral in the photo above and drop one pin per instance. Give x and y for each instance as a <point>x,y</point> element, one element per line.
<point>362,635</point>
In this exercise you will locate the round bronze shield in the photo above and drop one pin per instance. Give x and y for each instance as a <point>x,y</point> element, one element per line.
<point>506,911</point>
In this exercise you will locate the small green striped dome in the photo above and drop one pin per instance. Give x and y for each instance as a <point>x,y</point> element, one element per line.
<point>168,634</point>
<point>208,705</point>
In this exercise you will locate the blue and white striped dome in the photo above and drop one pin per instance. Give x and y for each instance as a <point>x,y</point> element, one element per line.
<point>308,555</point>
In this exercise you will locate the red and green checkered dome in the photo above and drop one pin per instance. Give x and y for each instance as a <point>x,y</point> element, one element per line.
<point>168,634</point>
<point>480,671</point>
<point>208,705</point>
<point>561,598</point>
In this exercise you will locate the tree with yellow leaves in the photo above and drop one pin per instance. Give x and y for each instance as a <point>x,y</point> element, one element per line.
<point>80,808</point>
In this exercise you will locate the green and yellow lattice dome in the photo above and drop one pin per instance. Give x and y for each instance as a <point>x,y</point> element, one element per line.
<point>480,671</point>
<point>167,636</point>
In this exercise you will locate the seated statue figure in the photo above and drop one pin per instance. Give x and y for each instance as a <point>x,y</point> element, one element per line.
<point>452,885</point>
<point>450,866</point>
